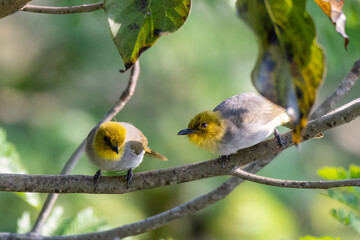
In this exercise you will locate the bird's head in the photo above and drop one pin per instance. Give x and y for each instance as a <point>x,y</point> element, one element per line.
<point>108,140</point>
<point>206,130</point>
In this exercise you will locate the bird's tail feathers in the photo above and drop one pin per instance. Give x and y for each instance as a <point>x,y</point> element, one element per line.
<point>154,154</point>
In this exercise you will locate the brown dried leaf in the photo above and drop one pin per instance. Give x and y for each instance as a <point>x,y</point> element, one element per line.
<point>333,9</point>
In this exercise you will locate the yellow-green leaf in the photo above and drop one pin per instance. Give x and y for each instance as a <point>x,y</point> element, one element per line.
<point>333,9</point>
<point>354,171</point>
<point>318,238</point>
<point>135,25</point>
<point>290,64</point>
<point>332,173</point>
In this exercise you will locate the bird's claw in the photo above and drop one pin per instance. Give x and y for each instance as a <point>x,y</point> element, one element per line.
<point>96,177</point>
<point>128,178</point>
<point>278,138</point>
<point>222,159</point>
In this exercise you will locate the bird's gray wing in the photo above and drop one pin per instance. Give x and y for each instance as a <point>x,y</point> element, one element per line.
<point>248,108</point>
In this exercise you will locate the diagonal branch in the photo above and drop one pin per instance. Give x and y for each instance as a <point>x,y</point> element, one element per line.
<point>63,10</point>
<point>170,176</point>
<point>344,87</point>
<point>71,163</point>
<point>295,184</point>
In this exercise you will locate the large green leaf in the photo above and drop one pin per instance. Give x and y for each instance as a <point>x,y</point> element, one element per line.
<point>135,25</point>
<point>10,163</point>
<point>290,65</point>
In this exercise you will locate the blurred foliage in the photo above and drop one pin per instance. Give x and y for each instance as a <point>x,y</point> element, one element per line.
<point>348,196</point>
<point>10,163</point>
<point>85,221</point>
<point>57,80</point>
<point>320,238</point>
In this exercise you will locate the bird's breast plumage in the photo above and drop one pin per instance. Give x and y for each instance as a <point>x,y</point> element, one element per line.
<point>130,154</point>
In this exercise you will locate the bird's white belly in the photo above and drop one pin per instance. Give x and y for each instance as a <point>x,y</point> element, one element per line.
<point>249,138</point>
<point>129,160</point>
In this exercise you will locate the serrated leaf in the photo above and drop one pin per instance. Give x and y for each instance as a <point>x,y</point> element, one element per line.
<point>347,218</point>
<point>10,163</point>
<point>135,25</point>
<point>351,199</point>
<point>318,238</point>
<point>52,223</point>
<point>23,223</point>
<point>290,64</point>
<point>332,173</point>
<point>333,9</point>
<point>84,222</point>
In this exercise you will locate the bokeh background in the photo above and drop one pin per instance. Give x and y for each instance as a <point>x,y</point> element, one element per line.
<point>59,75</point>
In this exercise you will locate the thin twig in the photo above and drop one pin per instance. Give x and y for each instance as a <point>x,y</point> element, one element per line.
<point>295,184</point>
<point>71,163</point>
<point>63,10</point>
<point>344,87</point>
<point>180,174</point>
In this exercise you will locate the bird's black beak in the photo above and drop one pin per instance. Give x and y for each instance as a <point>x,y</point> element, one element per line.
<point>115,148</point>
<point>186,131</point>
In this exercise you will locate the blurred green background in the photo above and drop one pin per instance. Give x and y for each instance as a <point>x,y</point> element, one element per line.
<point>59,75</point>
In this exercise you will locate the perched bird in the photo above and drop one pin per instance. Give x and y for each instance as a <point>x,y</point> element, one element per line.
<point>238,122</point>
<point>117,146</point>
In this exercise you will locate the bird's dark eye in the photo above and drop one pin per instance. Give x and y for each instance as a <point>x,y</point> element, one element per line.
<point>107,140</point>
<point>203,125</point>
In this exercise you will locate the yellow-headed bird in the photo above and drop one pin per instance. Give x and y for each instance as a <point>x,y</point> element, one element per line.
<point>238,122</point>
<point>117,146</point>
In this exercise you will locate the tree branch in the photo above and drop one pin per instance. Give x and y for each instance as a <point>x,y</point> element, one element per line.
<point>63,10</point>
<point>295,184</point>
<point>71,163</point>
<point>344,87</point>
<point>176,175</point>
<point>155,221</point>
<point>11,6</point>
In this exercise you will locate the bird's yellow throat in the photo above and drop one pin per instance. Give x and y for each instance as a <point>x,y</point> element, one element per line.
<point>209,130</point>
<point>107,135</point>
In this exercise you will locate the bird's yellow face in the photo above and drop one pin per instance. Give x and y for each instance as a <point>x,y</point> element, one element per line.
<point>108,141</point>
<point>206,130</point>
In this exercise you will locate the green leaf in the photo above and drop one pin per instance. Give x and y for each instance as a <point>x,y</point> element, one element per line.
<point>351,199</point>
<point>53,222</point>
<point>23,223</point>
<point>354,171</point>
<point>84,222</point>
<point>318,238</point>
<point>10,163</point>
<point>290,64</point>
<point>332,173</point>
<point>349,219</point>
<point>135,25</point>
